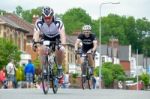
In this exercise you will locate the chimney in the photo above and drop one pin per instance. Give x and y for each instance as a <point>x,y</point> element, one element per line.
<point>34,18</point>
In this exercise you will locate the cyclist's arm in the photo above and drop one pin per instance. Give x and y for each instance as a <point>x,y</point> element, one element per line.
<point>36,35</point>
<point>62,35</point>
<point>77,44</point>
<point>94,45</point>
<point>37,27</point>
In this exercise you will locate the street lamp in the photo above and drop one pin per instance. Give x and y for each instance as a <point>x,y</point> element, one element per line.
<point>100,61</point>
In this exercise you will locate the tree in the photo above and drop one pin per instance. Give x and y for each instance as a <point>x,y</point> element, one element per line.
<point>74,19</point>
<point>110,73</point>
<point>28,14</point>
<point>111,25</point>
<point>2,12</point>
<point>142,27</point>
<point>19,10</point>
<point>130,32</point>
<point>8,51</point>
<point>107,77</point>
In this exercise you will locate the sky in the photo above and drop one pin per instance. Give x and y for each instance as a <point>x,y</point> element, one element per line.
<point>135,8</point>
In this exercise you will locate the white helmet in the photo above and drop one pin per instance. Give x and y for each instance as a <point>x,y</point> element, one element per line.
<point>47,11</point>
<point>86,28</point>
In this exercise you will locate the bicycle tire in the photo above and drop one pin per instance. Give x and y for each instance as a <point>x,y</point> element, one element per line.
<point>55,85</point>
<point>54,80</point>
<point>45,78</point>
<point>83,82</point>
<point>88,78</point>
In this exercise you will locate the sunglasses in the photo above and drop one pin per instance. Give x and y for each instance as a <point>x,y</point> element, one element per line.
<point>48,18</point>
<point>87,32</point>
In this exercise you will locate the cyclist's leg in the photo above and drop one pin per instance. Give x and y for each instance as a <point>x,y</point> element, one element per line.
<point>91,63</point>
<point>78,60</point>
<point>42,54</point>
<point>59,57</point>
<point>83,69</point>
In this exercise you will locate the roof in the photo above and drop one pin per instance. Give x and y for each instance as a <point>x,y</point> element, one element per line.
<point>7,21</point>
<point>71,39</point>
<point>124,52</point>
<point>22,23</point>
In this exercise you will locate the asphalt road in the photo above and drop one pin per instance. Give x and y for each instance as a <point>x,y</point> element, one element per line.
<point>74,94</point>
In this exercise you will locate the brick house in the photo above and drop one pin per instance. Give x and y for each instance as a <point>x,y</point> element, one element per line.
<point>9,29</point>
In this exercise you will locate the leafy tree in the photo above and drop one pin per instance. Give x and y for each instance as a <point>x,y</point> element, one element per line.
<point>110,73</point>
<point>95,27</point>
<point>74,19</point>
<point>118,72</point>
<point>8,51</point>
<point>107,77</point>
<point>146,47</point>
<point>2,12</point>
<point>130,32</point>
<point>19,10</point>
<point>111,25</point>
<point>28,14</point>
<point>142,27</point>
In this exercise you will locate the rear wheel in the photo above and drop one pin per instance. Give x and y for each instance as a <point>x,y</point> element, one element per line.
<point>55,85</point>
<point>83,82</point>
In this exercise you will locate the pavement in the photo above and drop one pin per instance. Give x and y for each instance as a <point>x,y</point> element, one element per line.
<point>73,94</point>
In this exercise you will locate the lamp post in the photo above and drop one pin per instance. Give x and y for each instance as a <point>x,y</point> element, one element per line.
<point>100,60</point>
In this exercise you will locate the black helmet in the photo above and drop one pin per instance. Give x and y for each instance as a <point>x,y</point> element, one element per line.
<point>47,11</point>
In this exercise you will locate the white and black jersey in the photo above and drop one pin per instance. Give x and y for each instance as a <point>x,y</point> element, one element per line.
<point>51,31</point>
<point>87,42</point>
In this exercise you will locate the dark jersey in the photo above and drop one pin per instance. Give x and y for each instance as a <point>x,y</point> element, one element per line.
<point>87,42</point>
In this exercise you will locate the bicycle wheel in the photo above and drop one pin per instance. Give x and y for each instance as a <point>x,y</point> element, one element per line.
<point>83,82</point>
<point>88,78</point>
<point>45,77</point>
<point>55,85</point>
<point>54,79</point>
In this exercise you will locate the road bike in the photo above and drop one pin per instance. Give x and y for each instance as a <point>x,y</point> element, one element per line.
<point>86,78</point>
<point>49,74</point>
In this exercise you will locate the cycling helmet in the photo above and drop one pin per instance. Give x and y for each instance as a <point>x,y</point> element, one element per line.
<point>47,11</point>
<point>86,28</point>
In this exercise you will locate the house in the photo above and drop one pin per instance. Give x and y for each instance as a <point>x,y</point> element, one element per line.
<point>124,55</point>
<point>10,30</point>
<point>30,28</point>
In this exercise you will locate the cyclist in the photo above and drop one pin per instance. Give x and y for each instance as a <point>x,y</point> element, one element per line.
<point>50,28</point>
<point>89,45</point>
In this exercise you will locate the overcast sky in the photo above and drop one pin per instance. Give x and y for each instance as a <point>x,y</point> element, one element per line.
<point>136,8</point>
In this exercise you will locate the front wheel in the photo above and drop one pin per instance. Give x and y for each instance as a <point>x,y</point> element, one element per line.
<point>88,78</point>
<point>45,77</point>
